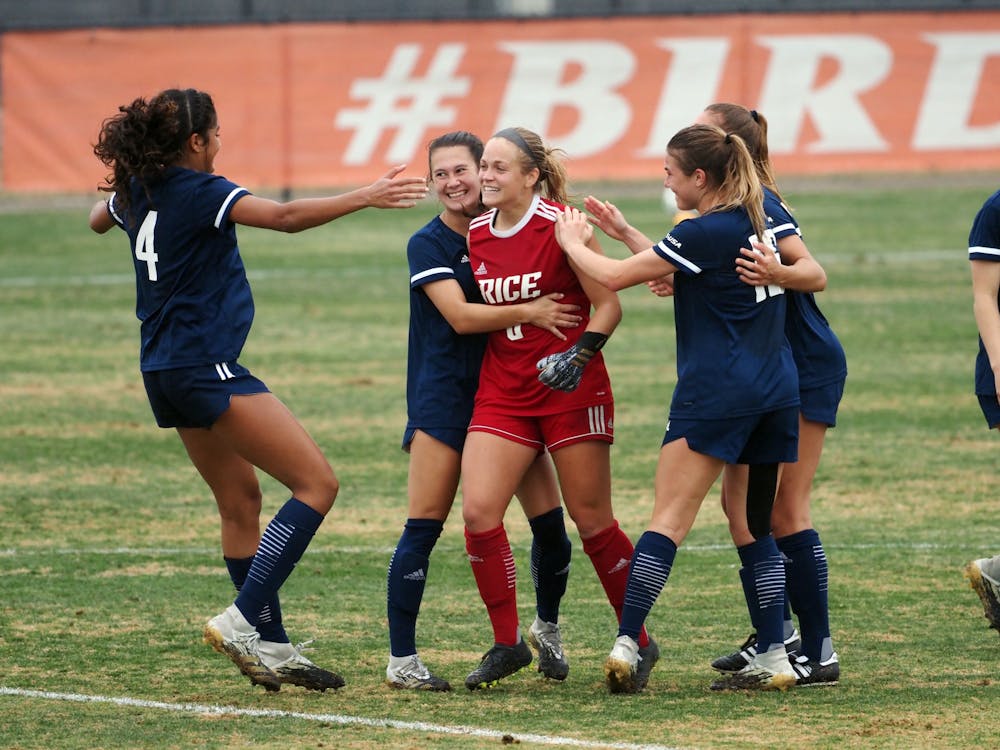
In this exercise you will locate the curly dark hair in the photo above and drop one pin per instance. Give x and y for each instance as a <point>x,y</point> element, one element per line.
<point>147,137</point>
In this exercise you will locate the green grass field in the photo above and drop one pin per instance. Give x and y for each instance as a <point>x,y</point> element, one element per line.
<point>109,556</point>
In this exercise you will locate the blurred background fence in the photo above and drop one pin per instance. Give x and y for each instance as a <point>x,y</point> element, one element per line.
<point>63,14</point>
<point>317,94</point>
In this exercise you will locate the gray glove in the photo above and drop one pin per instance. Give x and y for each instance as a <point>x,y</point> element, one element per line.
<point>564,370</point>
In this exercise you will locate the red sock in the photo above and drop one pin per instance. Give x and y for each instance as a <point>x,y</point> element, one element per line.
<point>610,551</point>
<point>496,577</point>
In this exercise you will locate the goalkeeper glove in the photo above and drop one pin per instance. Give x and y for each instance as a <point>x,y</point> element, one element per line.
<point>563,371</point>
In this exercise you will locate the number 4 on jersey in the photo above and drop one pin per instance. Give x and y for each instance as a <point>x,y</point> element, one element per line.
<point>144,249</point>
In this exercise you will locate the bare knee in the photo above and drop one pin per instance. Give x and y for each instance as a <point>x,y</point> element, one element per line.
<point>589,521</point>
<point>791,512</point>
<point>239,506</point>
<point>481,515</point>
<point>325,492</point>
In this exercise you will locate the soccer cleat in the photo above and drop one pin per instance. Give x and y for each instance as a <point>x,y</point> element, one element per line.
<point>292,668</point>
<point>413,675</point>
<point>547,641</point>
<point>648,656</point>
<point>770,671</point>
<point>815,673</point>
<point>229,633</point>
<point>987,586</point>
<point>737,660</point>
<point>622,666</point>
<point>497,663</point>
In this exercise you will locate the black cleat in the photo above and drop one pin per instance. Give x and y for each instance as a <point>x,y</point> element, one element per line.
<point>497,663</point>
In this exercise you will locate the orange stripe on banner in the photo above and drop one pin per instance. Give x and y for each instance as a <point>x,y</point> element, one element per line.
<point>312,105</point>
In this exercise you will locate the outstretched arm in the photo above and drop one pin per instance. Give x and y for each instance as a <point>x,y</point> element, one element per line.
<point>574,232</point>
<point>389,191</point>
<point>607,216</point>
<point>612,222</point>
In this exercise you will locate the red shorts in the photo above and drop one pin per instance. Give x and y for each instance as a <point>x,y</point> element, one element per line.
<point>552,431</point>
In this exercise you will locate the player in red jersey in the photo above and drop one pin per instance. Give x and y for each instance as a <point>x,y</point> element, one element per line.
<point>536,395</point>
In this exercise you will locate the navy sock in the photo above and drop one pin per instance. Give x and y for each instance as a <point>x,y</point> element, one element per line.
<point>764,566</point>
<point>270,626</point>
<point>551,550</point>
<point>405,582</point>
<point>807,587</point>
<point>749,594</point>
<point>281,547</point>
<point>651,563</point>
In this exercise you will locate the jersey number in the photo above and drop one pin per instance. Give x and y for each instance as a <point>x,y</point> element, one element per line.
<point>514,332</point>
<point>771,290</point>
<point>144,250</point>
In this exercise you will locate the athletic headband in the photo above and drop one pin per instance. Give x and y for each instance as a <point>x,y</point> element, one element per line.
<point>517,139</point>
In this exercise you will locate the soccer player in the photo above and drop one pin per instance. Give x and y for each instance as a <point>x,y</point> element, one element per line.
<point>196,309</point>
<point>448,323</point>
<point>822,369</point>
<point>984,255</point>
<point>736,398</point>
<point>564,407</point>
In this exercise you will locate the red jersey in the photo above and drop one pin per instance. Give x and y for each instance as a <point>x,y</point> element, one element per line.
<point>518,265</point>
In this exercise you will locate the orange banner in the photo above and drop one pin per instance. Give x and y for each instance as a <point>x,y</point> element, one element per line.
<point>319,105</point>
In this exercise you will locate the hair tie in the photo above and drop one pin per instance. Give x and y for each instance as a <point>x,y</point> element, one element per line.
<point>728,139</point>
<point>517,139</point>
<point>754,115</point>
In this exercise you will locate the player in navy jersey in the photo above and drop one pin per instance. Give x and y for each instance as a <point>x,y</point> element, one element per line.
<point>536,395</point>
<point>448,323</point>
<point>984,256</point>
<point>196,309</point>
<point>822,369</point>
<point>736,398</point>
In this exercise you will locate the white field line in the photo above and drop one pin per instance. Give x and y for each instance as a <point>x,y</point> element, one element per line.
<point>844,257</point>
<point>406,726</point>
<point>119,279</point>
<point>376,550</point>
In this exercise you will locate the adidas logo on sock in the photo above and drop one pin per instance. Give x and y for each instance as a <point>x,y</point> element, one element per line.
<point>416,575</point>
<point>563,572</point>
<point>620,565</point>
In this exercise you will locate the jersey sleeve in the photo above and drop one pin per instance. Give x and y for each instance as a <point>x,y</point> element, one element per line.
<point>114,212</point>
<point>984,239</point>
<point>685,247</point>
<point>215,201</point>
<point>428,261</point>
<point>782,223</point>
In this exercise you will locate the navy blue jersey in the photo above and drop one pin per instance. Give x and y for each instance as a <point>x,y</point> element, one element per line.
<point>984,244</point>
<point>732,356</point>
<point>819,356</point>
<point>442,367</point>
<point>192,294</point>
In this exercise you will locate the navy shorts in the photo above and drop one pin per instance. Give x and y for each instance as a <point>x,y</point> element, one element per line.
<point>772,437</point>
<point>197,396</point>
<point>820,404</point>
<point>991,410</point>
<point>453,437</point>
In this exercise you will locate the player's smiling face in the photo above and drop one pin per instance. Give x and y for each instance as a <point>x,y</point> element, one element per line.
<point>686,188</point>
<point>201,151</point>
<point>502,177</point>
<point>455,177</point>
